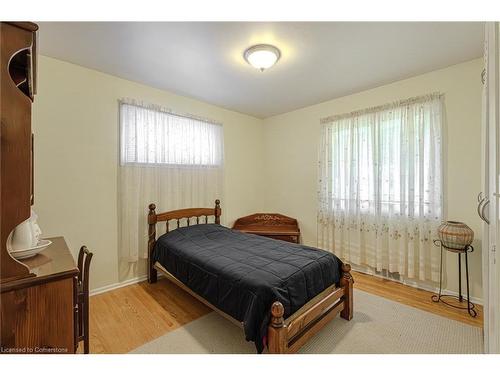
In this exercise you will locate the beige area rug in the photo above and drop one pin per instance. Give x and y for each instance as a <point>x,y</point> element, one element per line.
<point>379,326</point>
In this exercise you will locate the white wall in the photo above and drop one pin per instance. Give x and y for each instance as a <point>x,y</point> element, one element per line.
<point>291,147</point>
<point>271,164</point>
<point>75,122</point>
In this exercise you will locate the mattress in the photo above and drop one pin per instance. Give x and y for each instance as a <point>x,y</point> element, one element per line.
<point>243,274</point>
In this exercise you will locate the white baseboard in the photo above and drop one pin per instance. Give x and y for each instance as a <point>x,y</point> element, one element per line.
<point>413,284</point>
<point>121,284</point>
<point>107,288</point>
<point>416,284</point>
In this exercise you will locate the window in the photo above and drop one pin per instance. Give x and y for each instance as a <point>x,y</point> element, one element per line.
<point>154,136</point>
<point>171,160</point>
<point>381,180</point>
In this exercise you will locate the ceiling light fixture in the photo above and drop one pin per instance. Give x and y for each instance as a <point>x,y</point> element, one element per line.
<point>262,56</point>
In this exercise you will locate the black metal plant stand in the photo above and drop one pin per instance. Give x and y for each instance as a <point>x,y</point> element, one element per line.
<point>471,308</point>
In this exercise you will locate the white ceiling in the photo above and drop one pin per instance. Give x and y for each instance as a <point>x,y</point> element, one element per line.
<point>320,61</point>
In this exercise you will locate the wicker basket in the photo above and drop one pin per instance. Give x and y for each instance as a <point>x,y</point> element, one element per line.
<point>455,235</point>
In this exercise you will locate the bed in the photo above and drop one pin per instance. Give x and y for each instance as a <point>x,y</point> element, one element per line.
<point>280,293</point>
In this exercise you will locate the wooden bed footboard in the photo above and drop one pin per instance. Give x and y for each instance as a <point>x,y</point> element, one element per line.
<point>288,336</point>
<point>284,335</point>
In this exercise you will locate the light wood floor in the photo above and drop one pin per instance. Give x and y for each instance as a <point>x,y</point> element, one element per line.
<point>125,318</point>
<point>418,298</point>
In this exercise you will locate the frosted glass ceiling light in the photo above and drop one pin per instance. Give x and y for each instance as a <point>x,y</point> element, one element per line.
<point>262,56</point>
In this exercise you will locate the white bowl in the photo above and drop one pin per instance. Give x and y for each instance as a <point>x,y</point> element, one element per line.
<point>31,252</point>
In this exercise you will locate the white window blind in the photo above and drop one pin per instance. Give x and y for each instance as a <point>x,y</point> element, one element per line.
<point>150,135</point>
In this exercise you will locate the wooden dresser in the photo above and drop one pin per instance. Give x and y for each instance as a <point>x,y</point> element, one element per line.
<point>38,313</point>
<point>275,226</point>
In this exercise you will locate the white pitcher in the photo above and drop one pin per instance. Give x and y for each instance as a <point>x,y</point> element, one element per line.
<point>26,235</point>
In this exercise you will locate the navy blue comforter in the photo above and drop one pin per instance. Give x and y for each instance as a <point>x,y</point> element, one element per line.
<point>243,274</point>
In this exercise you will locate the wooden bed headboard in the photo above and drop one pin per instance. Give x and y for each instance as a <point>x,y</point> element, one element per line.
<point>178,215</point>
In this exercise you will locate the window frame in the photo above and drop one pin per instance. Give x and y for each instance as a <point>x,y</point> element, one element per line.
<point>162,111</point>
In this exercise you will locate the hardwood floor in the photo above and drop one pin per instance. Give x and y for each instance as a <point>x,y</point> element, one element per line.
<point>418,298</point>
<point>125,318</point>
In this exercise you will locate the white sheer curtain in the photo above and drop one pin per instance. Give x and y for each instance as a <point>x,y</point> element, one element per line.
<point>172,160</point>
<point>380,197</point>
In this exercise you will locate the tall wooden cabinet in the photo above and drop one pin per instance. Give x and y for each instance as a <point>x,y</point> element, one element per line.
<point>18,87</point>
<point>37,296</point>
